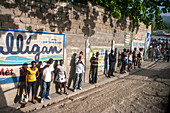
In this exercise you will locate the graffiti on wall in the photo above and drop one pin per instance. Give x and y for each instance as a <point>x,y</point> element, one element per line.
<point>19,47</point>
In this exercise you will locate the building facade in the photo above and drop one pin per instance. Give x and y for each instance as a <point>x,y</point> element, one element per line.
<point>39,30</point>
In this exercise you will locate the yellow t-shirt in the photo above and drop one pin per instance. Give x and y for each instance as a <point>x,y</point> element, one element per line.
<point>81,57</point>
<point>31,74</point>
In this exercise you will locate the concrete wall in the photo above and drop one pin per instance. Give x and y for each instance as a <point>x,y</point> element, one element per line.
<point>85,27</point>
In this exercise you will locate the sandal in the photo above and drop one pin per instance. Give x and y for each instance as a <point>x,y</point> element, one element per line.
<point>26,104</point>
<point>66,93</point>
<point>33,102</point>
<point>61,93</point>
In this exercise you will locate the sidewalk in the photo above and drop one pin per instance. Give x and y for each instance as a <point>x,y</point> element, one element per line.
<point>61,99</point>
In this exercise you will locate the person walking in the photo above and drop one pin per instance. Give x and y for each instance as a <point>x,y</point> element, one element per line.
<point>94,65</point>
<point>122,70</point>
<point>30,81</point>
<point>111,63</point>
<point>47,77</point>
<point>79,72</point>
<point>61,77</point>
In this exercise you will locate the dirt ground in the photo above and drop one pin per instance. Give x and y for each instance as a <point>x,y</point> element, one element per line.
<point>145,91</point>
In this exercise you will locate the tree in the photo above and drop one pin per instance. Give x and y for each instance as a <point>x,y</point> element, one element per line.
<point>166,26</point>
<point>137,10</point>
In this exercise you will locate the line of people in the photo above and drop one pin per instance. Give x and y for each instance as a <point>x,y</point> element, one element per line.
<point>59,76</point>
<point>127,59</point>
<point>159,51</point>
<point>31,78</point>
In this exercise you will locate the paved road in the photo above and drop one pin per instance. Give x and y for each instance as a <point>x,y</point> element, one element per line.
<point>145,91</point>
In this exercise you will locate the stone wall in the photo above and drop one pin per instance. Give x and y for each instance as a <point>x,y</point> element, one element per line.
<point>85,27</point>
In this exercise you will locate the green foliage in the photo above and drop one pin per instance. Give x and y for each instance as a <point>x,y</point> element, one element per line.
<point>165,26</point>
<point>137,10</point>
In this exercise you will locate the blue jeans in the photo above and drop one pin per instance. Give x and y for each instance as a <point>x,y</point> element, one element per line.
<point>78,80</point>
<point>45,89</point>
<point>94,74</point>
<point>33,84</point>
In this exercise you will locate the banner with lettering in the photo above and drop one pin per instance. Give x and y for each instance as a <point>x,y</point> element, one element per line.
<point>147,43</point>
<point>127,39</point>
<point>138,36</point>
<point>138,44</point>
<point>19,48</point>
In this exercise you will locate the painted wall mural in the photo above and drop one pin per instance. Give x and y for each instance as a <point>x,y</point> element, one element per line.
<point>19,48</point>
<point>127,40</point>
<point>103,60</point>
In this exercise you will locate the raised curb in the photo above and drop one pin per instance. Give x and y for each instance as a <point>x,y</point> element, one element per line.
<point>73,96</point>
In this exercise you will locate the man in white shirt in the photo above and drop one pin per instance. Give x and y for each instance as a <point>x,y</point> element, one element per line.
<point>79,71</point>
<point>47,77</point>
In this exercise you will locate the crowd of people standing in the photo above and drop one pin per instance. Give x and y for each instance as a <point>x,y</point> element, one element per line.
<point>57,74</point>
<point>159,51</point>
<point>126,60</point>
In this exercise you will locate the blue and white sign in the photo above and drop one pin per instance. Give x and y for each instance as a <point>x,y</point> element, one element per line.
<point>18,48</point>
<point>147,43</point>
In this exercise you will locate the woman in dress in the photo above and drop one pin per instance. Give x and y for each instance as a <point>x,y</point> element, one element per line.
<point>30,81</point>
<point>61,77</point>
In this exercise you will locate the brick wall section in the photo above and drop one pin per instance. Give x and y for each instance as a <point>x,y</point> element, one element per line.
<point>77,22</point>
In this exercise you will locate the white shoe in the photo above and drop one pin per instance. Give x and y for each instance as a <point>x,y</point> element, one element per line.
<point>48,97</point>
<point>42,100</point>
<point>80,88</point>
<point>74,90</point>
